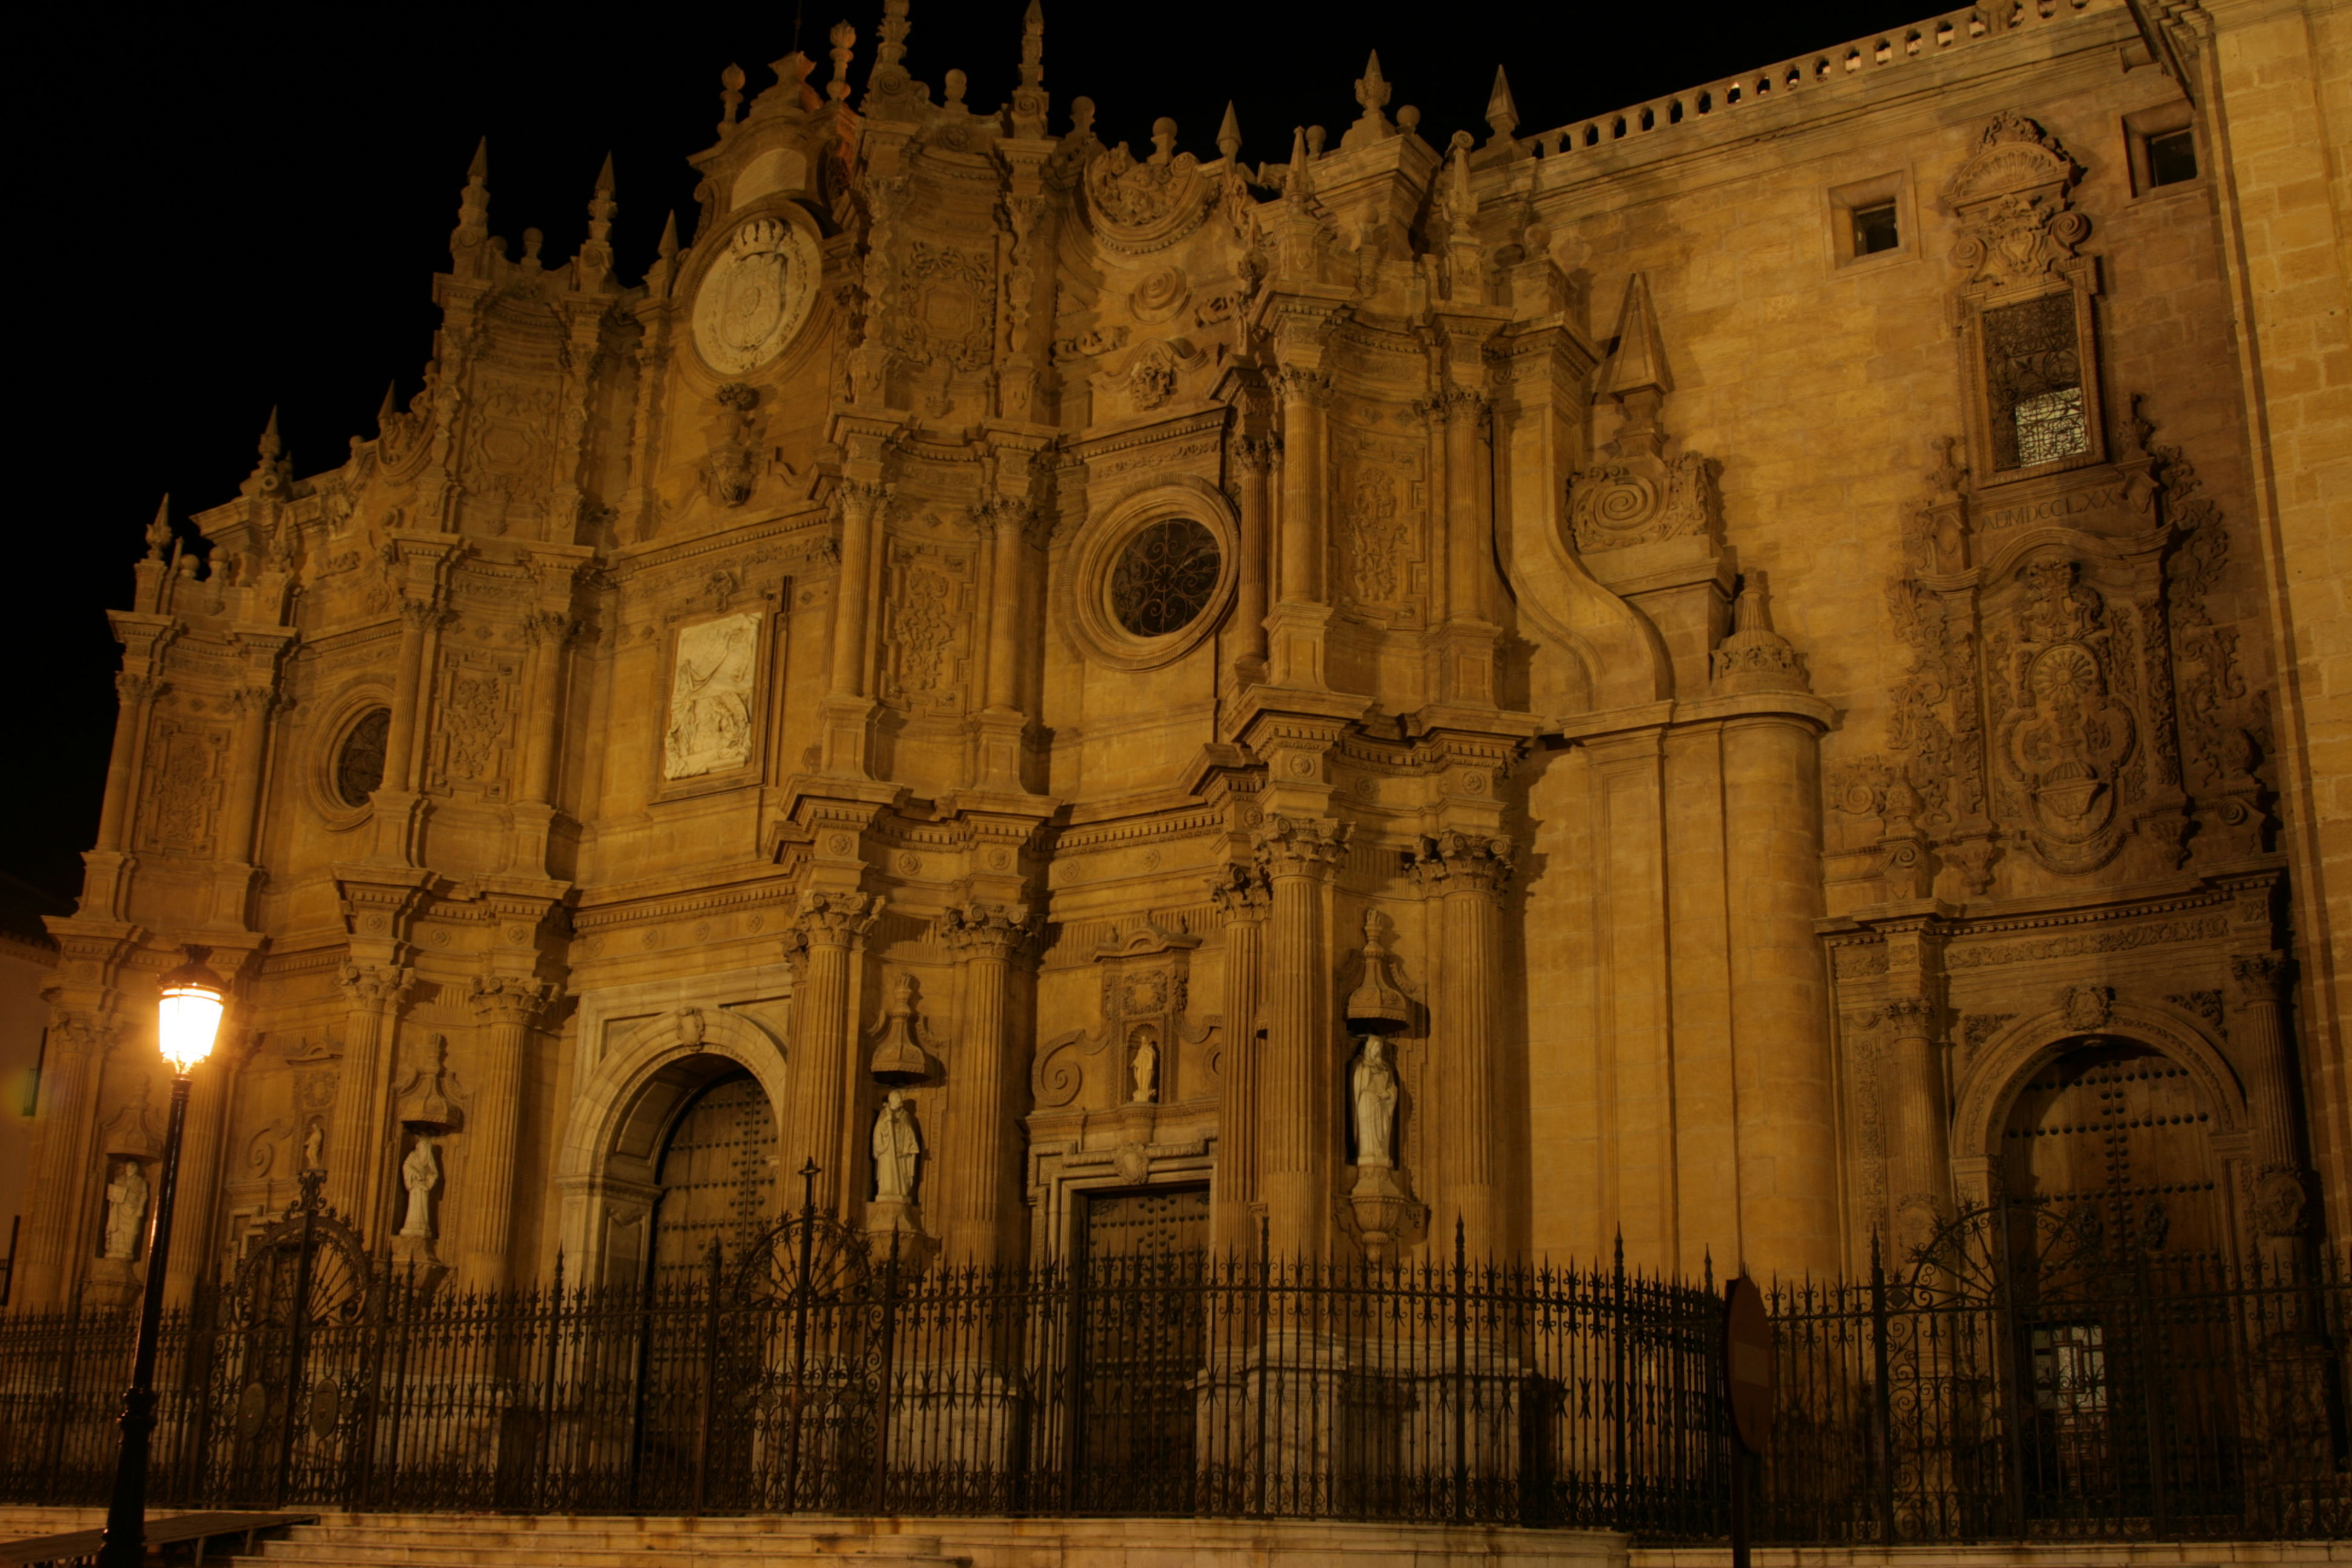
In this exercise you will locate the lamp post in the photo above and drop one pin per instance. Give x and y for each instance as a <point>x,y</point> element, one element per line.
<point>187,1020</point>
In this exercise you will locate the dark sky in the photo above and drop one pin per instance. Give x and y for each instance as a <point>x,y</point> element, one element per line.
<point>222,210</point>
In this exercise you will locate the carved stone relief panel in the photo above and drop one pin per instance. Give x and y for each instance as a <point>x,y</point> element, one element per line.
<point>509,450</point>
<point>714,684</point>
<point>927,598</point>
<point>186,762</point>
<point>475,706</point>
<point>752,302</point>
<point>1383,524</point>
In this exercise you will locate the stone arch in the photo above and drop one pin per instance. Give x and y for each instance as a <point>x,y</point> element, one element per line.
<point>613,1139</point>
<point>2010,1059</point>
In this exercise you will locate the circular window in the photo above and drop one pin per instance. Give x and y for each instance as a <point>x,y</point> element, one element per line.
<point>1165,577</point>
<point>359,761</point>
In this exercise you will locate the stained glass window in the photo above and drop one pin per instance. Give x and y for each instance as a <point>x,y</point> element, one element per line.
<point>1164,577</point>
<point>2033,376</point>
<point>358,764</point>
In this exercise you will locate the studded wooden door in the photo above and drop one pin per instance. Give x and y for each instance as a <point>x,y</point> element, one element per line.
<point>1139,1338</point>
<point>2120,1136</point>
<point>718,1178</point>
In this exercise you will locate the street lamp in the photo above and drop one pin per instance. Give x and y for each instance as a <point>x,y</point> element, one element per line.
<point>187,1019</point>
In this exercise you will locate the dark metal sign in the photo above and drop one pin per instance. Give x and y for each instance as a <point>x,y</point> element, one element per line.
<point>1748,1365</point>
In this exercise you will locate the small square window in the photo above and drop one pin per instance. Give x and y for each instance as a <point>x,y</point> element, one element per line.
<point>1875,229</point>
<point>2172,157</point>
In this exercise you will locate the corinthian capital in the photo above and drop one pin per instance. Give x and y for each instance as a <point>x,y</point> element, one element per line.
<point>1300,845</point>
<point>862,498</point>
<point>1241,894</point>
<point>2257,976</point>
<point>380,986</point>
<point>510,998</point>
<point>1910,1018</point>
<point>976,930</point>
<point>834,918</point>
<point>1455,862</point>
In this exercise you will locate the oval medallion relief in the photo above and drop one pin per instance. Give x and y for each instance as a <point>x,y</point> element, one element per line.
<point>755,296</point>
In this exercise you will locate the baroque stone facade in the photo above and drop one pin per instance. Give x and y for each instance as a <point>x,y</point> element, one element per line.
<point>1712,676</point>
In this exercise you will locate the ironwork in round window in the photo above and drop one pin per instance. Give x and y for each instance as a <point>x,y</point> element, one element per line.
<point>1164,577</point>
<point>359,761</point>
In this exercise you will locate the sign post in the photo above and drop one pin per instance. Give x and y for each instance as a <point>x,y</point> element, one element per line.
<point>1747,1388</point>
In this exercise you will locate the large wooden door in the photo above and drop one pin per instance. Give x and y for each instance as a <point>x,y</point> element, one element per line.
<point>718,1178</point>
<point>1139,1339</point>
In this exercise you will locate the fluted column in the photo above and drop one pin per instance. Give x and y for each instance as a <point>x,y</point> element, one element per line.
<point>357,1149</point>
<point>1299,856</point>
<point>417,616</point>
<point>1918,1129</point>
<point>1466,874</point>
<point>1252,460</point>
<point>976,1199</point>
<point>548,630</point>
<point>2281,1197</point>
<point>1469,524</point>
<point>508,1007</point>
<point>831,928</point>
<point>1303,523</point>
<point>1242,900</point>
<point>253,705</point>
<point>195,1246</point>
<point>45,1270</point>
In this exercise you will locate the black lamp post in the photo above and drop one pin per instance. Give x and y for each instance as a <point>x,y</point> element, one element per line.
<point>187,1020</point>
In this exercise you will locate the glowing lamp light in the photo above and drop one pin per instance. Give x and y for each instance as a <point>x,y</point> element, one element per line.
<point>188,1014</point>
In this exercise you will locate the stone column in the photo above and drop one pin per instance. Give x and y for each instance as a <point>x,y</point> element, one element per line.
<point>1300,562</point>
<point>1918,1129</point>
<point>1785,1120</point>
<point>1251,460</point>
<point>54,1236</point>
<point>509,1006</point>
<point>1298,857</point>
<point>1469,524</point>
<point>975,1194</point>
<point>133,694</point>
<point>1466,873</point>
<point>851,605</point>
<point>195,1247</point>
<point>1242,898</point>
<point>548,630</point>
<point>357,1149</point>
<point>2282,1195</point>
<point>417,616</point>
<point>832,929</point>
<point>253,705</point>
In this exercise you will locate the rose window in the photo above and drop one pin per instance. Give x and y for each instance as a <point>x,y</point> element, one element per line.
<point>359,761</point>
<point>1164,577</point>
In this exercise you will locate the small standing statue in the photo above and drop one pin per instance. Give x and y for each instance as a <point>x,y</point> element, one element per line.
<point>313,1146</point>
<point>126,1210</point>
<point>896,1151</point>
<point>1147,1066</point>
<point>420,1174</point>
<point>1374,1089</point>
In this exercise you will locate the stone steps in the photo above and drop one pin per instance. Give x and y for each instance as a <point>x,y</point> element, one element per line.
<point>442,1540</point>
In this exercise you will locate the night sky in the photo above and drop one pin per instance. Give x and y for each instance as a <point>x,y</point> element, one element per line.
<point>219,213</point>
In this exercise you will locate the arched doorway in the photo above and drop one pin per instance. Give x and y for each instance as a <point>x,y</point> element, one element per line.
<point>716,1176</point>
<point>2116,1137</point>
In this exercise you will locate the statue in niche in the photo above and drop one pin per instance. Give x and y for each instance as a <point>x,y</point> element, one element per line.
<point>126,1210</point>
<point>896,1150</point>
<point>314,1143</point>
<point>420,1174</point>
<point>1146,1065</point>
<point>1373,1087</point>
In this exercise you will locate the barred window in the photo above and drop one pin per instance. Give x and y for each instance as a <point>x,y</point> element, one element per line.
<point>359,761</point>
<point>2034,375</point>
<point>1164,577</point>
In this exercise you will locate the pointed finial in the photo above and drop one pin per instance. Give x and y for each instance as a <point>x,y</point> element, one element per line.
<point>470,242</point>
<point>1297,182</point>
<point>389,409</point>
<point>843,37</point>
<point>668,248</point>
<point>480,169</point>
<point>1502,114</point>
<point>271,445</point>
<point>1029,97</point>
<point>1639,361</point>
<point>605,177</point>
<point>1372,87</point>
<point>159,532</point>
<point>1229,131</point>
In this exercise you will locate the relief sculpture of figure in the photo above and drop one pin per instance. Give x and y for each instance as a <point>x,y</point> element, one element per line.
<point>126,1210</point>
<point>896,1151</point>
<point>420,1174</point>
<point>1373,1087</point>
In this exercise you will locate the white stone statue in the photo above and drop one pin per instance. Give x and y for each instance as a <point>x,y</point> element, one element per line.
<point>314,1143</point>
<point>1147,1066</point>
<point>126,1210</point>
<point>420,1174</point>
<point>1373,1087</point>
<point>896,1150</point>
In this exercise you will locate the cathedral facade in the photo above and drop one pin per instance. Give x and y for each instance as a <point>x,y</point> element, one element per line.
<point>1743,676</point>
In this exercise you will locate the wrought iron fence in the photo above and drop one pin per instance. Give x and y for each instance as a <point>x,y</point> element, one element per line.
<point>1955,1401</point>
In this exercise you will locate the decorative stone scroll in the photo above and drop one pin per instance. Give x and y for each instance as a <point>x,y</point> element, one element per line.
<point>1137,206</point>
